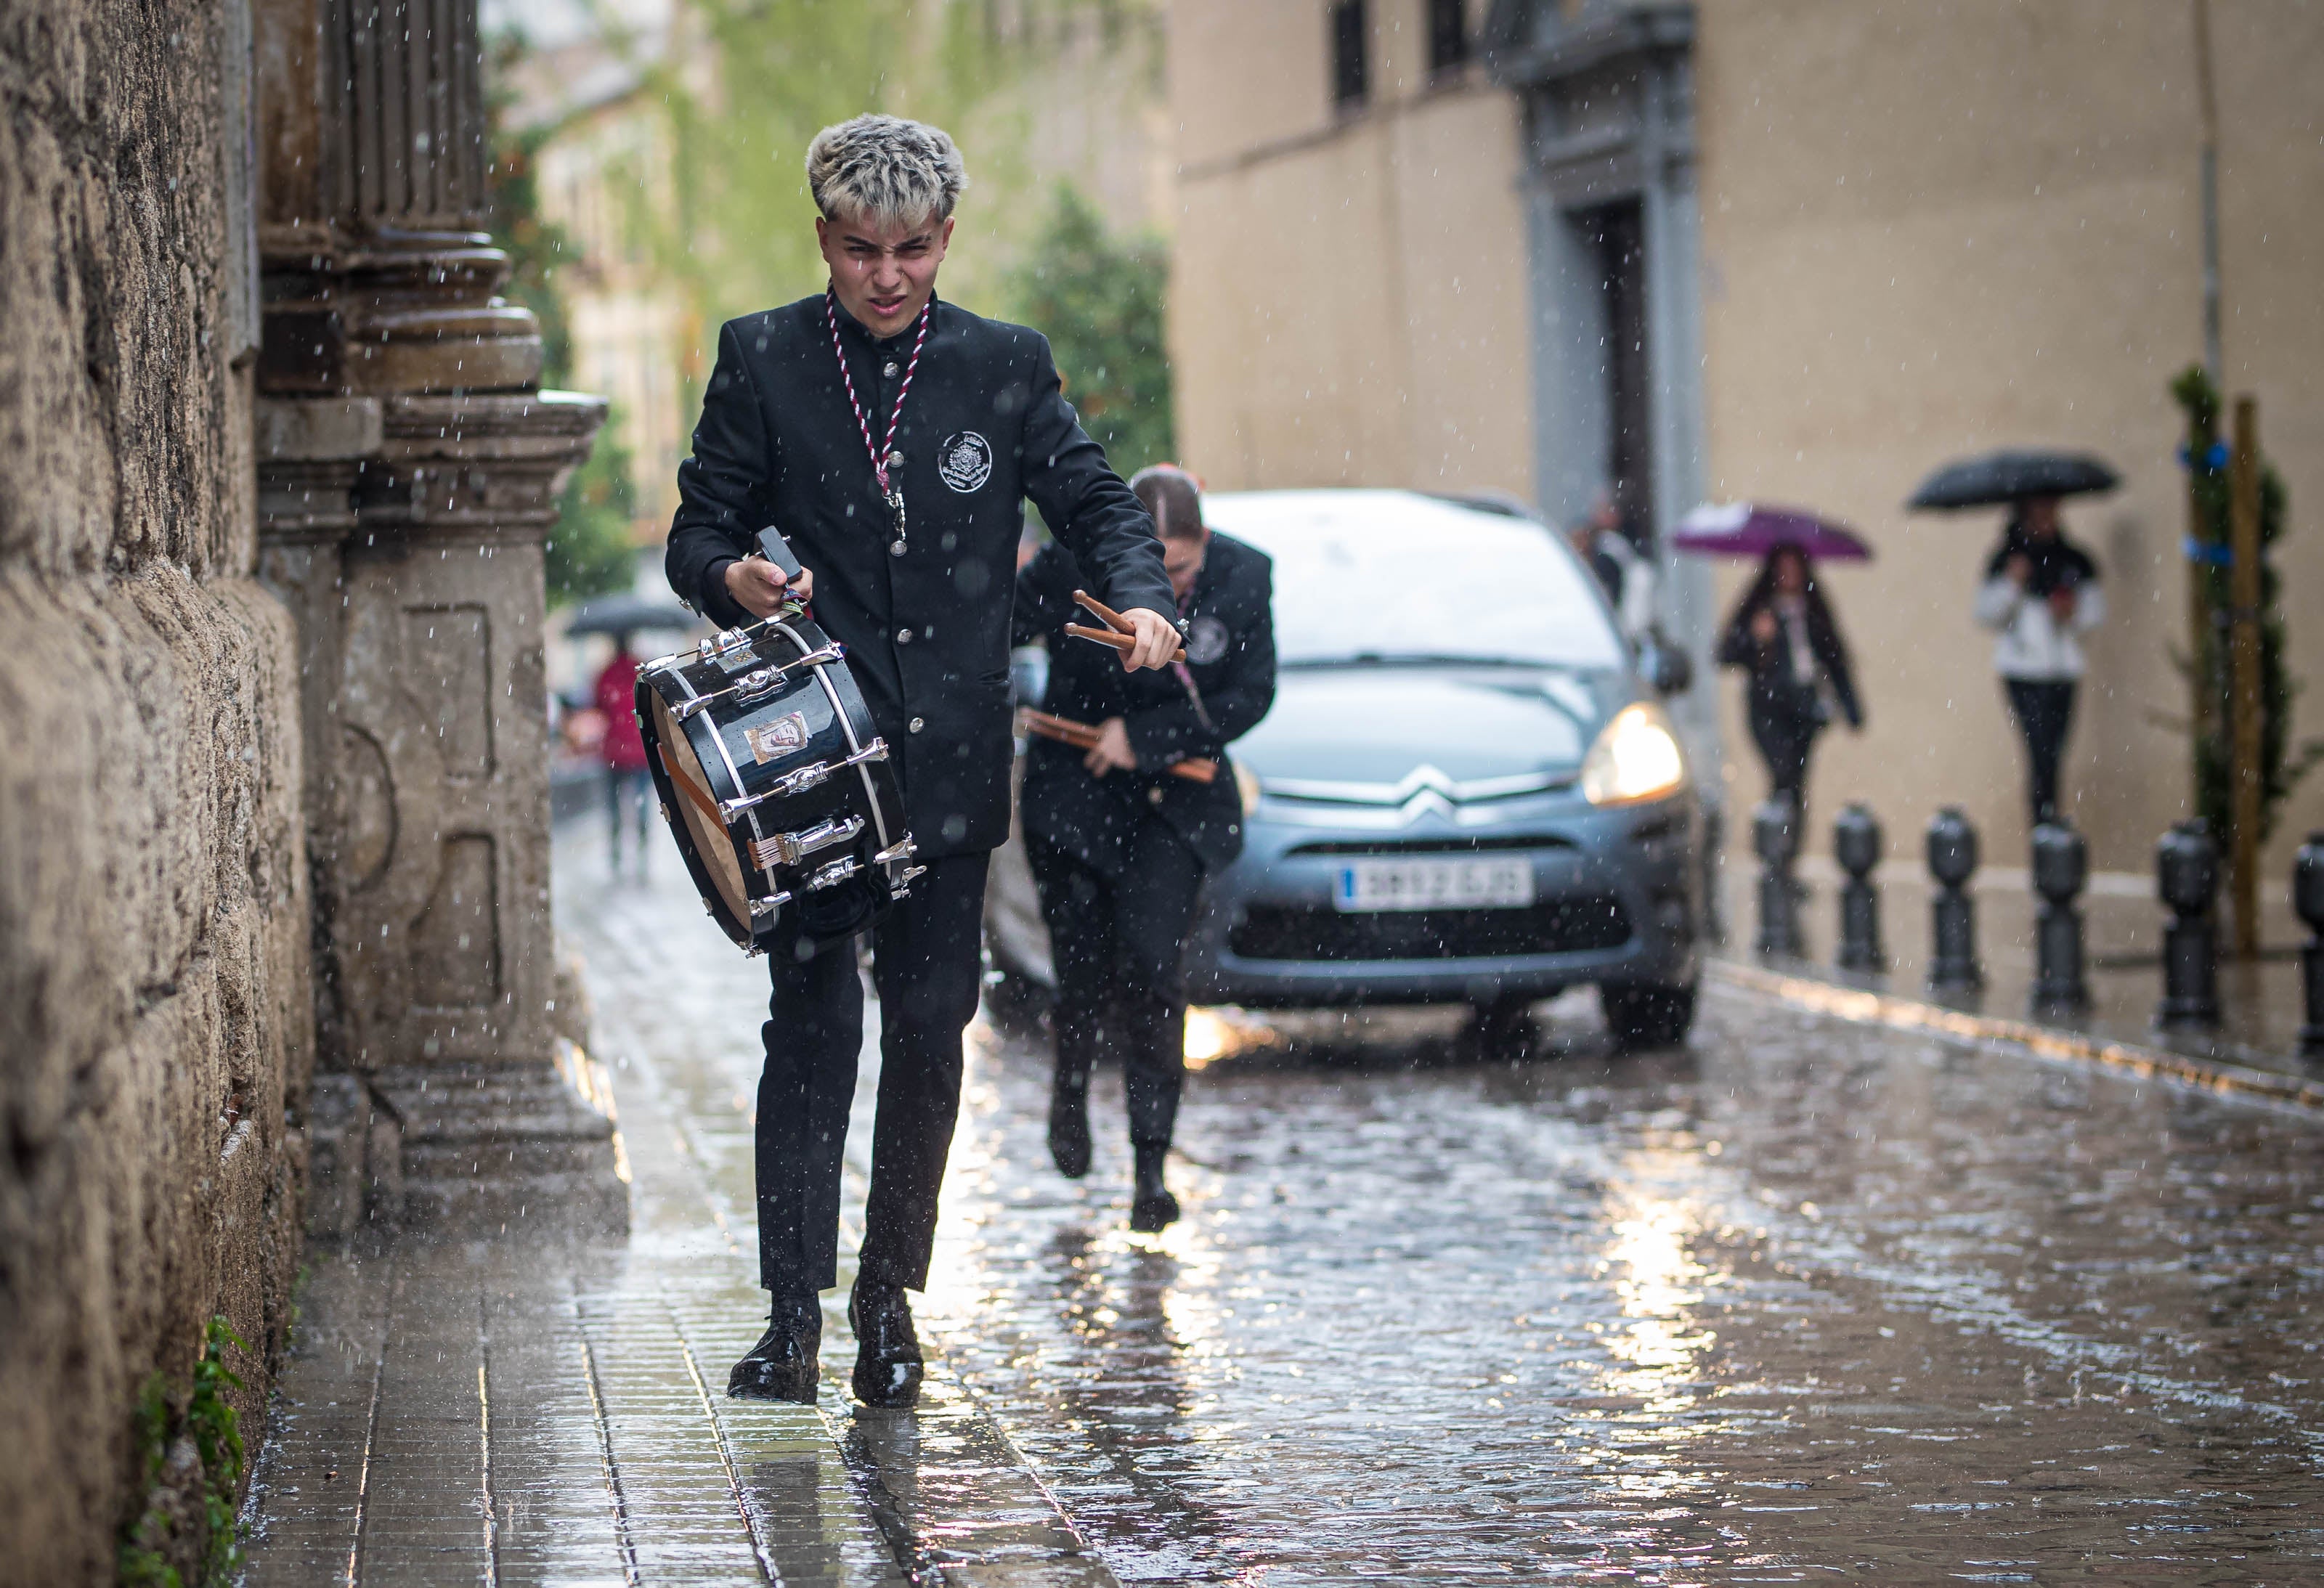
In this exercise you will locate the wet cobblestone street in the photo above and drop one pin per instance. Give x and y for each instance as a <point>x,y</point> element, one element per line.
<point>1806,1300</point>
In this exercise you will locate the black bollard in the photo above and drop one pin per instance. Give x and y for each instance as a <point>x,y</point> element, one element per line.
<point>2062,866</point>
<point>2186,880</point>
<point>2308,904</point>
<point>1856,844</point>
<point>1775,837</point>
<point>1952,937</point>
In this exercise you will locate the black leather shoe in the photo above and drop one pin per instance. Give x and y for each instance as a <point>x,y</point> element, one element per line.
<point>1069,1135</point>
<point>887,1350</point>
<point>782,1365</point>
<point>1153,1208</point>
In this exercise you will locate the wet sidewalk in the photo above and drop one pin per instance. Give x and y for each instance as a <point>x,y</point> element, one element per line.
<point>2254,1046</point>
<point>530,1409</point>
<point>1808,1299</point>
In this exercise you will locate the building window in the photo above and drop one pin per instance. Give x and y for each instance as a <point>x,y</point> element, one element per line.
<point>1350,79</point>
<point>1448,37</point>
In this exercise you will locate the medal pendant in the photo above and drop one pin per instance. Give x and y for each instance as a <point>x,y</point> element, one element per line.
<point>896,509</point>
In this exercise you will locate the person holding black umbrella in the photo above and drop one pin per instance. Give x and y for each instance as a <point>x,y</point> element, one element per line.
<point>2041,592</point>
<point>1783,635</point>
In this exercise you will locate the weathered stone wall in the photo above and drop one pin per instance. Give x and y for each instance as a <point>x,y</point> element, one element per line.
<point>155,1013</point>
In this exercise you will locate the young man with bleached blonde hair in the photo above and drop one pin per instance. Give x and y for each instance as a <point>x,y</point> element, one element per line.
<point>891,436</point>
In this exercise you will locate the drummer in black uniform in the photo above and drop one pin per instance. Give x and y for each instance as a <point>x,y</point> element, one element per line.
<point>1120,846</point>
<point>891,437</point>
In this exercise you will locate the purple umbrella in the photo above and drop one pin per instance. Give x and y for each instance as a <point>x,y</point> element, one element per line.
<point>1751,529</point>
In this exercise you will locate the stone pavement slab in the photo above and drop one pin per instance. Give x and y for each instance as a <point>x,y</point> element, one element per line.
<point>533,1408</point>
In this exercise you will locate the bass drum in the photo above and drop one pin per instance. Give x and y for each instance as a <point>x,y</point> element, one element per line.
<point>774,783</point>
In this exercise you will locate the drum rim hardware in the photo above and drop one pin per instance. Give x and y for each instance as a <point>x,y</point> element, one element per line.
<point>788,849</point>
<point>801,779</point>
<point>758,681</point>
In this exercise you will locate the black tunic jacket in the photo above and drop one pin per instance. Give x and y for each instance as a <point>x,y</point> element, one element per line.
<point>1231,652</point>
<point>985,426</point>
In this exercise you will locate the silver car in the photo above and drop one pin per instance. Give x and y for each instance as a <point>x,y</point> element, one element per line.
<point>1466,792</point>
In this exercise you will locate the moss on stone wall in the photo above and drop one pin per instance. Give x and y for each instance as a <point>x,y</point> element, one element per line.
<point>155,1016</point>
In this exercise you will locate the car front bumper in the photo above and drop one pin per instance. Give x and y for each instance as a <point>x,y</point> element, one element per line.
<point>1618,900</point>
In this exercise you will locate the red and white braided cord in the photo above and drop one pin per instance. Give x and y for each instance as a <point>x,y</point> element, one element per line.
<point>878,454</point>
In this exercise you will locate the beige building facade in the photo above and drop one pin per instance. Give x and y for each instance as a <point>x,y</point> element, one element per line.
<point>1792,251</point>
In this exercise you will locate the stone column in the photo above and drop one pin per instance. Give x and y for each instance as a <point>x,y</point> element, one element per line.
<point>408,468</point>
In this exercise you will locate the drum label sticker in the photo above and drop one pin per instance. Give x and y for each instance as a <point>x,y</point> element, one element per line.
<point>785,736</point>
<point>1206,640</point>
<point>965,460</point>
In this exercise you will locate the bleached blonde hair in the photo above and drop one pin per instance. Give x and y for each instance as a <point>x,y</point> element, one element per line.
<point>884,170</point>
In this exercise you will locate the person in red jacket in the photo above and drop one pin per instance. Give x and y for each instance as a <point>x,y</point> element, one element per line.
<point>628,787</point>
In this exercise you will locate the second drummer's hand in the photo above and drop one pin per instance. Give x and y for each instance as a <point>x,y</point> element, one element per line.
<point>1112,752</point>
<point>1157,640</point>
<point>759,587</point>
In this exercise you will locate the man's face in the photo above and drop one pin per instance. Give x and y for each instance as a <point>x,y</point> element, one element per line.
<point>1182,559</point>
<point>883,273</point>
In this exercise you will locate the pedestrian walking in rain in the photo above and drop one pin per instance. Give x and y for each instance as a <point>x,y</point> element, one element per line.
<point>2041,594</point>
<point>1118,846</point>
<point>1627,577</point>
<point>823,418</point>
<point>628,787</point>
<point>1783,636</point>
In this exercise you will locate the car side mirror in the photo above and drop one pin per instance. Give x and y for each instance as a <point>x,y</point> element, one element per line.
<point>1667,669</point>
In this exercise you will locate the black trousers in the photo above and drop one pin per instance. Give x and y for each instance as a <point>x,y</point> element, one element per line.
<point>1118,945</point>
<point>925,966</point>
<point>1784,740</point>
<point>2045,710</point>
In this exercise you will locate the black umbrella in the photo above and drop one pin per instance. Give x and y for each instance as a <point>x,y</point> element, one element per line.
<point>620,614</point>
<point>1998,477</point>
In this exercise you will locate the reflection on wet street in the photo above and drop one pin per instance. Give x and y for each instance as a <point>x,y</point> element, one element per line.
<point>1807,1299</point>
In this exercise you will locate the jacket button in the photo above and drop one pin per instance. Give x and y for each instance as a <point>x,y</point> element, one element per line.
<point>918,723</point>
<point>903,637</point>
<point>888,369</point>
<point>1154,796</point>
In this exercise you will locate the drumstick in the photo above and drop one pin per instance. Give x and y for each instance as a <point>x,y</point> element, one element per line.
<point>1105,614</point>
<point>1124,643</point>
<point>1081,736</point>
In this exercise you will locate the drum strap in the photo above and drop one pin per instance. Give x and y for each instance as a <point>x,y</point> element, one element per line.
<point>693,791</point>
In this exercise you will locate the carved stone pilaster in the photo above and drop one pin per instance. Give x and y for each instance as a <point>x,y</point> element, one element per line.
<point>379,275</point>
<point>408,475</point>
<point>407,531</point>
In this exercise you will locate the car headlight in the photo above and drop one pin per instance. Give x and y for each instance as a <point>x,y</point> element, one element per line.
<point>1637,757</point>
<point>1247,784</point>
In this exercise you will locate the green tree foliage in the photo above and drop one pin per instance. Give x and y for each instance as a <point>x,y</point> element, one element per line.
<point>742,233</point>
<point>589,550</point>
<point>1099,299</point>
<point>537,248</point>
<point>2209,667</point>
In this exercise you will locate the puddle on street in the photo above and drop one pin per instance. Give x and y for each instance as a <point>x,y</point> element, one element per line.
<point>1806,1299</point>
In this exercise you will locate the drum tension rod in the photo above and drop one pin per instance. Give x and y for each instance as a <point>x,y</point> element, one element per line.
<point>800,781</point>
<point>833,875</point>
<point>759,681</point>
<point>788,849</point>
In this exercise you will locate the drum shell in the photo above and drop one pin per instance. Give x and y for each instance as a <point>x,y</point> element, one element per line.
<point>745,748</point>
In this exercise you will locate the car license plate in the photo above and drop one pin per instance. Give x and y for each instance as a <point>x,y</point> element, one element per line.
<point>1436,885</point>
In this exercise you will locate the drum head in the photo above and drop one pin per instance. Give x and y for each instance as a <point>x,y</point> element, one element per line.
<point>710,840</point>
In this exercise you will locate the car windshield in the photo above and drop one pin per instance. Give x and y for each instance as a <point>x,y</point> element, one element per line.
<point>1395,577</point>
